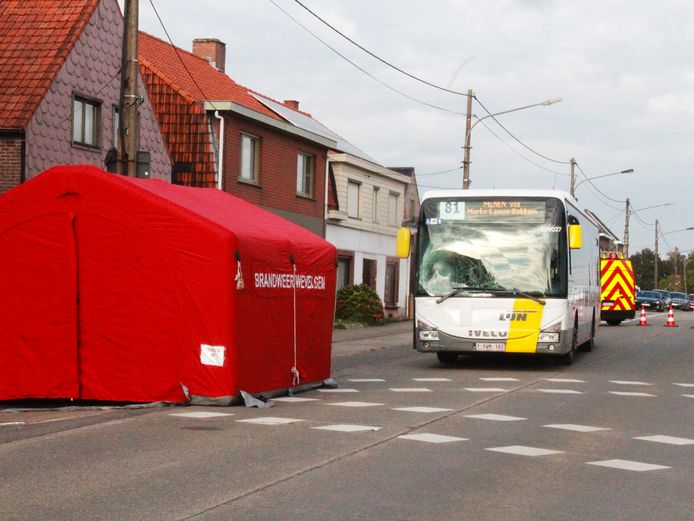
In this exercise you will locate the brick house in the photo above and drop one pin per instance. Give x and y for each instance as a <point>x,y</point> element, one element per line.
<point>59,82</point>
<point>221,134</point>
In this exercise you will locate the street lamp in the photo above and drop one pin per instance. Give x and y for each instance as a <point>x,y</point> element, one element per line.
<point>468,131</point>
<point>572,188</point>
<point>655,281</point>
<point>626,222</point>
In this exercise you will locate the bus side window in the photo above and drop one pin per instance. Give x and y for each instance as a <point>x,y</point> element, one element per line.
<point>571,220</point>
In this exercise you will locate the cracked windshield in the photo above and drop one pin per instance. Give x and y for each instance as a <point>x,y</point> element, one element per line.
<point>502,244</point>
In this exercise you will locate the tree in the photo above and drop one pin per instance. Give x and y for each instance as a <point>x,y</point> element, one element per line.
<point>644,268</point>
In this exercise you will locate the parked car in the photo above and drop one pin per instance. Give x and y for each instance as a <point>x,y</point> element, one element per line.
<point>652,300</point>
<point>679,300</point>
<point>666,296</point>
<point>691,302</point>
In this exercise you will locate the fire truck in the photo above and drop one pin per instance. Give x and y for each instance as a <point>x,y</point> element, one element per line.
<point>617,297</point>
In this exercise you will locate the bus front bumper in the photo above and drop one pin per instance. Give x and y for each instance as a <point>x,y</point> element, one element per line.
<point>441,342</point>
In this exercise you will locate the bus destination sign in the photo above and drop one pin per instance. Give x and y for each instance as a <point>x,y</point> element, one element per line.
<point>496,211</point>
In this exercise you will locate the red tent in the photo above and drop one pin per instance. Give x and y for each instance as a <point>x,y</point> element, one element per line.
<point>124,289</point>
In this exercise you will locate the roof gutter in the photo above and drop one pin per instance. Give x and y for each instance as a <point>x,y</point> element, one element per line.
<point>230,106</point>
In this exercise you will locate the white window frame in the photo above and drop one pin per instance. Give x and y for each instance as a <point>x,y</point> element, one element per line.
<point>393,209</point>
<point>304,174</point>
<point>248,161</point>
<point>353,196</point>
<point>86,121</point>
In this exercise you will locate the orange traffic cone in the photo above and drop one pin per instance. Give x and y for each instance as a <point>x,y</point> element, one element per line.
<point>642,318</point>
<point>670,319</point>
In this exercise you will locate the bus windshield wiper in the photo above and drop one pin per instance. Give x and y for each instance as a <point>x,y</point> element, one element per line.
<point>495,291</point>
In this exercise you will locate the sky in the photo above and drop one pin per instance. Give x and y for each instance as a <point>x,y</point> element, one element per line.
<point>624,70</point>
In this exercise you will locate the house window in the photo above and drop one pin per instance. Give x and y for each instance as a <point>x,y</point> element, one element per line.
<point>116,125</point>
<point>304,174</point>
<point>344,271</point>
<point>250,146</point>
<point>353,199</point>
<point>391,289</point>
<point>86,122</point>
<point>368,273</point>
<point>374,217</point>
<point>393,209</point>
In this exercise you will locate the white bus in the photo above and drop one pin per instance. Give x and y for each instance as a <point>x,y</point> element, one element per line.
<point>514,271</point>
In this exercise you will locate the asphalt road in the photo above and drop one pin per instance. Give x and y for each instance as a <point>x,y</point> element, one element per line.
<point>404,438</point>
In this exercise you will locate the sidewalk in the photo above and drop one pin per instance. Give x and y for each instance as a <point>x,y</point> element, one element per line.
<point>361,339</point>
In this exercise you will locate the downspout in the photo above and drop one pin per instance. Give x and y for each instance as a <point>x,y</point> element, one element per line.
<point>220,162</point>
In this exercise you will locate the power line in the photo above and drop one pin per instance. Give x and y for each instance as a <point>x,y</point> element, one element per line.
<point>393,89</point>
<point>385,62</point>
<point>439,173</point>
<point>596,188</point>
<point>179,56</point>
<point>515,138</point>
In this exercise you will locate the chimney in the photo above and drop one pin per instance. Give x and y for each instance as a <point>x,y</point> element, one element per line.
<point>292,104</point>
<point>212,50</point>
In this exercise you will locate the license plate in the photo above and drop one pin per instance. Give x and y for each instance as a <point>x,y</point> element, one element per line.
<point>490,346</point>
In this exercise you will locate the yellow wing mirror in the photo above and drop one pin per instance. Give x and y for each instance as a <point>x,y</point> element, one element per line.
<point>402,243</point>
<point>575,237</point>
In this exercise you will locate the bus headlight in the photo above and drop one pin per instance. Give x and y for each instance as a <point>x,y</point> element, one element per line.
<point>426,332</point>
<point>548,337</point>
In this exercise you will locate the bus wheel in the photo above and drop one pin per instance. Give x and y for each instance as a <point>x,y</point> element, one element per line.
<point>570,357</point>
<point>446,357</point>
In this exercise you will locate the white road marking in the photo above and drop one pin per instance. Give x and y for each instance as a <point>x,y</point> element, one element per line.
<point>431,438</point>
<point>356,404</point>
<point>432,379</point>
<point>495,417</point>
<point>566,380</point>
<point>339,390</point>
<point>347,428</point>
<point>626,393</point>
<point>688,395</point>
<point>521,450</point>
<point>410,390</point>
<point>365,380</point>
<point>269,420</point>
<point>485,389</point>
<point>685,385</point>
<point>671,440</point>
<point>628,382</point>
<point>576,428</point>
<point>294,399</point>
<point>627,465</point>
<point>12,423</point>
<point>422,409</point>
<point>499,379</point>
<point>201,414</point>
<point>559,391</point>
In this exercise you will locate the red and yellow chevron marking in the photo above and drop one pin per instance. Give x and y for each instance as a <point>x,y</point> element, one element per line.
<point>617,283</point>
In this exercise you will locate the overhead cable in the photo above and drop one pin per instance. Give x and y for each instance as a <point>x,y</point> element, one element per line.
<point>385,62</point>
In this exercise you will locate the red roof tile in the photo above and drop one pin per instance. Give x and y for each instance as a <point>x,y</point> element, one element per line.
<point>36,37</point>
<point>178,68</point>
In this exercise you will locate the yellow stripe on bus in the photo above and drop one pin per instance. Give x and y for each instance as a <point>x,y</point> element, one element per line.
<point>525,326</point>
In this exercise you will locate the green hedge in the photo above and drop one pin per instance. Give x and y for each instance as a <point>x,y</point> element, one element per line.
<point>359,303</point>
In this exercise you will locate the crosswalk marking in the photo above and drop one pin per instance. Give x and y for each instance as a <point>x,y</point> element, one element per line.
<point>432,379</point>
<point>495,417</point>
<point>410,390</point>
<point>628,382</point>
<point>671,440</point>
<point>627,465</point>
<point>522,450</point>
<point>339,390</point>
<point>627,393</point>
<point>422,409</point>
<point>431,438</point>
<point>576,428</point>
<point>559,391</point>
<point>566,380</point>
<point>485,389</point>
<point>356,404</point>
<point>685,385</point>
<point>499,379</point>
<point>294,399</point>
<point>347,428</point>
<point>200,414</point>
<point>365,380</point>
<point>270,420</point>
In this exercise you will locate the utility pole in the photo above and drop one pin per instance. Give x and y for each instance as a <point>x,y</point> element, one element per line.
<point>655,282</point>
<point>129,123</point>
<point>572,179</point>
<point>466,157</point>
<point>626,230</point>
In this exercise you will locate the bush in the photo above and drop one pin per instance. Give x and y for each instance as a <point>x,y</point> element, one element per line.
<point>359,303</point>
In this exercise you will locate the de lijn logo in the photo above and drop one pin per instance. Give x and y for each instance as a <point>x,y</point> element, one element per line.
<point>516,316</point>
